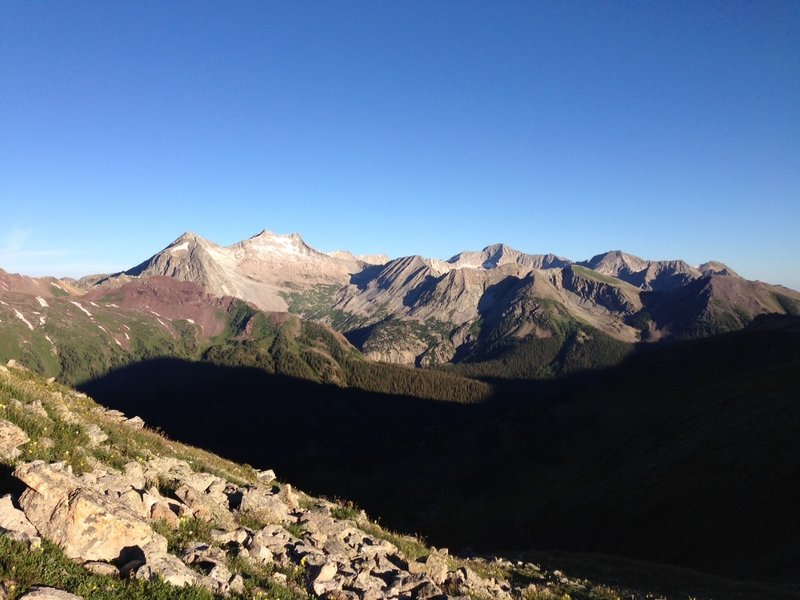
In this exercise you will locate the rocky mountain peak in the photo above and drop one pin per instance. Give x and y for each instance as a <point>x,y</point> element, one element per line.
<point>276,243</point>
<point>714,267</point>
<point>615,262</point>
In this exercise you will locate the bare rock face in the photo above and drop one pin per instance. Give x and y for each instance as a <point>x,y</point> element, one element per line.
<point>11,437</point>
<point>84,523</point>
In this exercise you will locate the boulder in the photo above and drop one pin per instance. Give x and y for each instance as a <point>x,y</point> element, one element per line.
<point>101,568</point>
<point>433,566</point>
<point>170,569</point>
<point>48,593</point>
<point>11,437</point>
<point>135,422</point>
<point>162,511</point>
<point>263,505</point>
<point>266,476</point>
<point>204,507</point>
<point>14,520</point>
<point>96,435</point>
<point>84,523</point>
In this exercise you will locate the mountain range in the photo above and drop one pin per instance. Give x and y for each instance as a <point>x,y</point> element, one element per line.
<point>593,406</point>
<point>422,311</point>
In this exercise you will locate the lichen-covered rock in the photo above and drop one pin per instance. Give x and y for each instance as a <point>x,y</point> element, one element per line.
<point>84,523</point>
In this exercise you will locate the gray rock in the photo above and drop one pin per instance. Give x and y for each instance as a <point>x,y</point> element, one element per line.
<point>101,568</point>
<point>135,422</point>
<point>205,508</point>
<point>11,437</point>
<point>96,435</point>
<point>163,512</point>
<point>170,569</point>
<point>37,409</point>
<point>266,476</point>
<point>433,566</point>
<point>84,523</point>
<point>323,573</point>
<point>264,505</point>
<point>14,520</point>
<point>48,593</point>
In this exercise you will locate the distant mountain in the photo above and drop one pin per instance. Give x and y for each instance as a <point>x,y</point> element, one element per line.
<point>261,269</point>
<point>473,306</point>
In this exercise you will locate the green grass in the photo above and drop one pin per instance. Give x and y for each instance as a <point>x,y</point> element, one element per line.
<point>295,529</point>
<point>70,443</point>
<point>344,511</point>
<point>412,547</point>
<point>591,274</point>
<point>49,566</point>
<point>259,581</point>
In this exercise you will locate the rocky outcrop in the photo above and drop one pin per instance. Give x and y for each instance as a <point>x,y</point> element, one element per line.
<point>87,524</point>
<point>104,519</point>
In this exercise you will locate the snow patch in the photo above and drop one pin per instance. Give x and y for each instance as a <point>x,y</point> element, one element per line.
<point>54,284</point>
<point>180,247</point>
<point>112,305</point>
<point>126,327</point>
<point>42,302</point>
<point>103,328</point>
<point>190,321</point>
<point>127,337</point>
<point>162,322</point>
<point>117,342</point>
<point>93,304</point>
<point>22,318</point>
<point>78,304</point>
<point>155,313</point>
<point>42,320</point>
<point>277,244</point>
<point>3,303</point>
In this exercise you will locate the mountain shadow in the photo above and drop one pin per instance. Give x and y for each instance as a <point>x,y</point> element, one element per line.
<point>684,454</point>
<point>305,430</point>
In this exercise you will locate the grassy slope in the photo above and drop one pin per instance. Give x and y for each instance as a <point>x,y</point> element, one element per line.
<point>84,348</point>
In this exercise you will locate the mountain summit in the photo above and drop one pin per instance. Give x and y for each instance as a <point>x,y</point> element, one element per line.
<point>261,269</point>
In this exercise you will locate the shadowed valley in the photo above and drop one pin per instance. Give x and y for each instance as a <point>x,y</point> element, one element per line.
<point>683,454</point>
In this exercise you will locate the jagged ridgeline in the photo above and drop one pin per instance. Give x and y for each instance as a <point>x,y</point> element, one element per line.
<point>422,311</point>
<point>79,338</point>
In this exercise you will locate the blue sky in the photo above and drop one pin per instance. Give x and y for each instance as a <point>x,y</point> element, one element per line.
<point>666,129</point>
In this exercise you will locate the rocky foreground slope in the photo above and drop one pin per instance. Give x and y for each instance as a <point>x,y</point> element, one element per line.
<point>102,507</point>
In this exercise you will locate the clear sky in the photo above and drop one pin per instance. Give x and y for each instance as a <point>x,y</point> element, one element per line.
<point>666,129</point>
